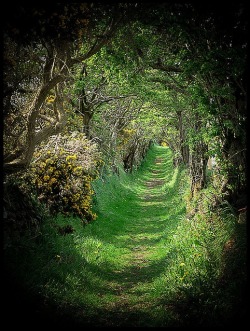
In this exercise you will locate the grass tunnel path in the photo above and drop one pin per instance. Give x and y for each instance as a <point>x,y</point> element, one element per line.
<point>145,213</point>
<point>142,263</point>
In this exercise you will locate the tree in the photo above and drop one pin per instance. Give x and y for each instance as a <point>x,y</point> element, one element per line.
<point>44,41</point>
<point>92,93</point>
<point>186,63</point>
<point>202,53</point>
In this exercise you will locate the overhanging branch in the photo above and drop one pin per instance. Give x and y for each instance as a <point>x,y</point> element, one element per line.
<point>167,68</point>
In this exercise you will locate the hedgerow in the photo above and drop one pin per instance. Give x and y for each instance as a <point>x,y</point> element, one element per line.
<point>62,171</point>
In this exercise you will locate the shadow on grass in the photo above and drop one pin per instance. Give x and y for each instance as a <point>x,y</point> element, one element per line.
<point>138,222</point>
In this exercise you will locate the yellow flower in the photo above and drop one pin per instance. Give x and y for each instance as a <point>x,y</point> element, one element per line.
<point>50,170</point>
<point>53,180</point>
<point>42,164</point>
<point>77,169</point>
<point>50,98</point>
<point>71,157</point>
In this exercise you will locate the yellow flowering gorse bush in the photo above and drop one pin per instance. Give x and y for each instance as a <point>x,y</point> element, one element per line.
<point>62,172</point>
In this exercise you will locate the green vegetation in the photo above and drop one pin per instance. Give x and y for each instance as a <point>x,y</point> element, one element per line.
<point>141,263</point>
<point>124,163</point>
<point>61,176</point>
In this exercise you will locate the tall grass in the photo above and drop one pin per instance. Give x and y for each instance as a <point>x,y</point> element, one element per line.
<point>143,262</point>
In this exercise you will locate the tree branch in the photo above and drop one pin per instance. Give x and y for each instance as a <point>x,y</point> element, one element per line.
<point>167,68</point>
<point>108,33</point>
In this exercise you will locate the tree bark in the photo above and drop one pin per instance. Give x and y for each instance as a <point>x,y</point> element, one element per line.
<point>198,166</point>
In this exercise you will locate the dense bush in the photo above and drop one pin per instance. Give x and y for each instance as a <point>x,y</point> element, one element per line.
<point>62,172</point>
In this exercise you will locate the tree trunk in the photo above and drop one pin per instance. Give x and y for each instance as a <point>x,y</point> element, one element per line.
<point>86,123</point>
<point>22,158</point>
<point>184,149</point>
<point>198,166</point>
<point>185,154</point>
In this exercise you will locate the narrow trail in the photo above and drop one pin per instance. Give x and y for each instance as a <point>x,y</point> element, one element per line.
<point>141,237</point>
<point>149,218</point>
<point>141,264</point>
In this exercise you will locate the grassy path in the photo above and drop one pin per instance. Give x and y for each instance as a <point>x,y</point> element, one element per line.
<point>142,263</point>
<point>145,211</point>
<point>114,271</point>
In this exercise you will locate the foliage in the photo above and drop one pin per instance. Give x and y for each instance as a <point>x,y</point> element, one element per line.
<point>45,52</point>
<point>184,279</point>
<point>22,213</point>
<point>62,172</point>
<point>168,73</point>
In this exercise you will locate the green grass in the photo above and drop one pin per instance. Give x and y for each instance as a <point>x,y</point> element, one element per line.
<point>141,263</point>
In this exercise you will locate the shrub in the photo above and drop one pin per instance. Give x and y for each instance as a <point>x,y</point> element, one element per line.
<point>62,172</point>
